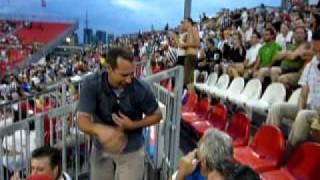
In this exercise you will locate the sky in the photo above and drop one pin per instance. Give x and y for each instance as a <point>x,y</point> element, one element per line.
<point>121,16</point>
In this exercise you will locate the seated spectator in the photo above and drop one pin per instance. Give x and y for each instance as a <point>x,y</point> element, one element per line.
<point>301,115</point>
<point>284,37</point>
<point>201,63</point>
<point>252,54</point>
<point>214,159</point>
<point>225,47</point>
<point>266,53</point>
<point>300,22</point>
<point>213,55</point>
<point>247,32</point>
<point>292,60</point>
<point>236,56</point>
<point>46,161</point>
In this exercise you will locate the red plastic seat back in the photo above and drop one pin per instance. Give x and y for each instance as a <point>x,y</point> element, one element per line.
<point>218,117</point>
<point>202,106</point>
<point>269,143</point>
<point>305,162</point>
<point>240,127</point>
<point>192,101</point>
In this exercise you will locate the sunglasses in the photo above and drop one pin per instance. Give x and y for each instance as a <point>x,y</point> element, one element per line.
<point>318,66</point>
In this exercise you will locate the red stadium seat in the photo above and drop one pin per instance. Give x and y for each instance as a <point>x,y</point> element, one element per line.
<point>168,85</point>
<point>216,119</point>
<point>303,164</point>
<point>200,111</point>
<point>191,102</point>
<point>266,151</point>
<point>239,129</point>
<point>44,32</point>
<point>31,39</point>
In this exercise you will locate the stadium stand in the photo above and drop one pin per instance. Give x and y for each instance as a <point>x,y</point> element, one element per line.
<point>24,41</point>
<point>267,151</point>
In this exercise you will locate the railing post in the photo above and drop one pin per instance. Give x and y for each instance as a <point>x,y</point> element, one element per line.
<point>28,153</point>
<point>39,127</point>
<point>1,157</point>
<point>177,118</point>
<point>64,135</point>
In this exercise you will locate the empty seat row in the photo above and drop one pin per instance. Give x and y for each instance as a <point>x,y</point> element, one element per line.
<point>203,117</point>
<point>246,95</point>
<point>304,164</point>
<point>266,156</point>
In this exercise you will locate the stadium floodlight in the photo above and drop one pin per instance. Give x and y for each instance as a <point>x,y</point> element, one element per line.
<point>68,39</point>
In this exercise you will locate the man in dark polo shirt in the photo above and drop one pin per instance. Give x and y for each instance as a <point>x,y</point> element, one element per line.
<point>111,108</point>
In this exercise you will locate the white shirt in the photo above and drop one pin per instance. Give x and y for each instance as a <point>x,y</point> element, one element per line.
<point>35,80</point>
<point>4,89</point>
<point>311,78</point>
<point>244,17</point>
<point>252,53</point>
<point>248,34</point>
<point>309,32</point>
<point>284,40</point>
<point>201,34</point>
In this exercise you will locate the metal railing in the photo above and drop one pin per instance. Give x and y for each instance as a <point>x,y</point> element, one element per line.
<point>143,69</point>
<point>167,133</point>
<point>49,119</point>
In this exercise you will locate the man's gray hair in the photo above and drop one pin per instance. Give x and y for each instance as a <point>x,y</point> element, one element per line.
<point>215,147</point>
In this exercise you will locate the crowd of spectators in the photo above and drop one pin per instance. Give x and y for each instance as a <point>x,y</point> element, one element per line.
<point>12,49</point>
<point>270,44</point>
<point>8,39</point>
<point>256,43</point>
<point>267,43</point>
<point>36,77</point>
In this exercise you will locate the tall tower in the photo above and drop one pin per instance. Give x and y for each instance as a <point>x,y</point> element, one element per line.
<point>86,21</point>
<point>187,8</point>
<point>87,32</point>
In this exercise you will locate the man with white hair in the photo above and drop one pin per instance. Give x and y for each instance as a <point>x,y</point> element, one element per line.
<point>214,158</point>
